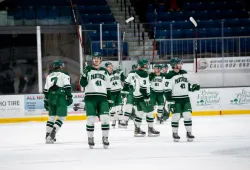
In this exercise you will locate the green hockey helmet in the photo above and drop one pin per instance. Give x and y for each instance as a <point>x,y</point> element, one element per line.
<point>108,64</point>
<point>164,65</point>
<point>175,61</point>
<point>134,66</point>
<point>158,66</point>
<point>97,54</point>
<point>142,62</point>
<point>57,64</point>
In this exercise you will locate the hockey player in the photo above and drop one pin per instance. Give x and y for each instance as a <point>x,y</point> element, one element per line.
<point>156,92</point>
<point>164,68</point>
<point>95,80</point>
<point>57,93</point>
<point>178,102</point>
<point>142,99</point>
<point>115,94</point>
<point>127,92</point>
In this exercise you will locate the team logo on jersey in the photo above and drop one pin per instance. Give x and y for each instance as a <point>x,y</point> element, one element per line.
<point>96,76</point>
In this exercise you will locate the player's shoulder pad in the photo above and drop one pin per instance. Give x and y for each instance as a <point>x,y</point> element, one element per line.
<point>105,70</point>
<point>142,73</point>
<point>64,72</point>
<point>183,71</point>
<point>133,71</point>
<point>170,74</point>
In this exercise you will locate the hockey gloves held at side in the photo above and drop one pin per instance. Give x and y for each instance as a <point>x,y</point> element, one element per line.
<point>69,101</point>
<point>195,87</point>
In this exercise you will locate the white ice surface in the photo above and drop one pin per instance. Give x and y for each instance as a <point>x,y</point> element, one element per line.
<point>222,143</point>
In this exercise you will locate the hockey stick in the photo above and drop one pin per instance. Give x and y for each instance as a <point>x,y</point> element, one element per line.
<point>195,43</point>
<point>154,43</point>
<point>77,30</point>
<point>123,36</point>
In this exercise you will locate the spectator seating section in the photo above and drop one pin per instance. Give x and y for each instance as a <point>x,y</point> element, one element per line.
<point>58,12</point>
<point>211,18</point>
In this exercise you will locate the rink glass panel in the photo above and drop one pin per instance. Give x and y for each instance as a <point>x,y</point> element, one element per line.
<point>61,43</point>
<point>18,61</point>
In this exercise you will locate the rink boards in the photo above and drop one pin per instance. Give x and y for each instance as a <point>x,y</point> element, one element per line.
<point>206,102</point>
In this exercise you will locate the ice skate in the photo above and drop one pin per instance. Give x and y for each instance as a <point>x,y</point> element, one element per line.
<point>51,137</point>
<point>47,134</point>
<point>190,137</point>
<point>139,133</point>
<point>176,137</point>
<point>113,123</point>
<point>152,132</point>
<point>105,142</point>
<point>91,143</point>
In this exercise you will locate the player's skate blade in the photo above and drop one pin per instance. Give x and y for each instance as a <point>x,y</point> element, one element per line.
<point>190,137</point>
<point>49,140</point>
<point>152,132</point>
<point>176,137</point>
<point>105,142</point>
<point>139,133</point>
<point>91,143</point>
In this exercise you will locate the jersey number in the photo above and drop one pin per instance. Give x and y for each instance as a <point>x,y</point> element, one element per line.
<point>98,83</point>
<point>54,80</point>
<point>166,84</point>
<point>144,82</point>
<point>114,83</point>
<point>183,86</point>
<point>156,84</point>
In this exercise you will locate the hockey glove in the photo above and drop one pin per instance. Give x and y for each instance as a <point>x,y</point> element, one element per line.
<point>147,101</point>
<point>69,101</point>
<point>85,72</point>
<point>196,87</point>
<point>46,105</point>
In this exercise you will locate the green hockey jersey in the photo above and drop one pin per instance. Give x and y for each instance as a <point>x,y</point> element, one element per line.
<point>141,85</point>
<point>129,81</point>
<point>59,81</point>
<point>115,82</point>
<point>157,82</point>
<point>95,81</point>
<point>177,84</point>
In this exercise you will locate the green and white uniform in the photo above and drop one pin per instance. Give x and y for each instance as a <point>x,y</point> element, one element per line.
<point>57,92</point>
<point>177,90</point>
<point>141,95</point>
<point>129,88</point>
<point>97,92</point>
<point>115,94</point>
<point>156,93</point>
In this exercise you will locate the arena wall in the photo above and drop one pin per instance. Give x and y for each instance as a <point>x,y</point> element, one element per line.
<point>206,102</point>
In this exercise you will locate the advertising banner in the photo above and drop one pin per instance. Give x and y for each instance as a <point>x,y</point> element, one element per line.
<point>226,63</point>
<point>11,106</point>
<point>34,105</point>
<point>221,99</point>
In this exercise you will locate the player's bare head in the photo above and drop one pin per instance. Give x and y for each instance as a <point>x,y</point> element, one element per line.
<point>58,65</point>
<point>157,68</point>
<point>109,67</point>
<point>143,63</point>
<point>176,64</point>
<point>164,68</point>
<point>97,58</point>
